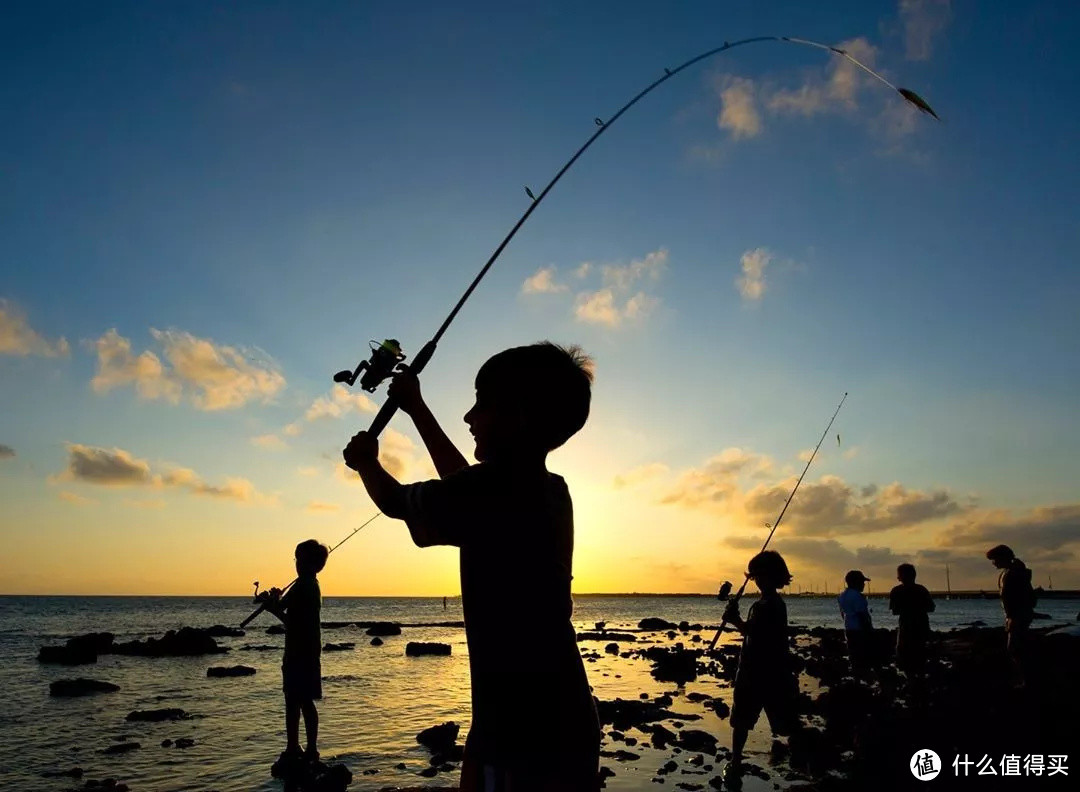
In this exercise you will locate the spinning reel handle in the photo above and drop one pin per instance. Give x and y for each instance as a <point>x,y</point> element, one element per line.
<point>386,412</point>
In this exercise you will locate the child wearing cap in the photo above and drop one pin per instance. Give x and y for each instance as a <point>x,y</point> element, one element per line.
<point>858,627</point>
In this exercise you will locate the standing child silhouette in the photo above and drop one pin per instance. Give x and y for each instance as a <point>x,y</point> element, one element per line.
<point>301,668</point>
<point>513,521</point>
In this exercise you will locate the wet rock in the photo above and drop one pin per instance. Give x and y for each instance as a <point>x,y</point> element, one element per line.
<point>661,736</point>
<point>654,623</point>
<point>439,739</point>
<point>166,743</point>
<point>158,715</point>
<point>185,642</point>
<point>400,766</point>
<point>74,772</point>
<point>697,761</point>
<point>80,650</point>
<point>259,648</point>
<point>606,772</point>
<point>338,647</point>
<point>695,696</point>
<point>684,626</point>
<point>697,740</point>
<point>376,641</point>
<point>664,700</point>
<point>384,629</point>
<point>123,747</point>
<point>418,648</point>
<point>230,671</point>
<point>721,708</point>
<point>429,772</point>
<point>80,687</point>
<point>184,742</point>
<point>671,634</point>
<point>606,636</point>
<point>675,664</point>
<point>612,648</point>
<point>625,714</point>
<point>221,631</point>
<point>455,753</point>
<point>275,629</point>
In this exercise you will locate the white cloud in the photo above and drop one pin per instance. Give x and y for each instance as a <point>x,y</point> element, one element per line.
<point>613,304</point>
<point>211,376</point>
<point>751,283</point>
<point>738,109</point>
<point>582,270</point>
<point>923,20</point>
<point>269,441</point>
<point>18,338</point>
<point>340,401</point>
<point>639,475</point>
<point>543,282</point>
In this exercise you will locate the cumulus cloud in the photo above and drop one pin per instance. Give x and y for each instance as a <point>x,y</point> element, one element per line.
<point>339,402</point>
<point>18,338</point>
<point>717,482</point>
<point>543,282</point>
<point>923,21</point>
<point>399,455</point>
<point>639,474</point>
<point>1045,527</point>
<point>751,283</point>
<point>738,108</point>
<point>613,303</point>
<point>209,375</point>
<point>119,468</point>
<point>6,451</point>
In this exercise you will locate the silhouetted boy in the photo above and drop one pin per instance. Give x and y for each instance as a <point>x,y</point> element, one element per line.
<point>765,679</point>
<point>913,604</point>
<point>1018,601</point>
<point>301,670</point>
<point>513,521</point>
<point>858,628</point>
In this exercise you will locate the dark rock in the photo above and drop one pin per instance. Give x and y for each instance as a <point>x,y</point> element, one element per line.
<point>631,741</point>
<point>230,671</point>
<point>606,772</point>
<point>400,766</point>
<point>606,636</point>
<point>625,714</point>
<point>338,647</point>
<point>376,641</point>
<point>221,631</point>
<point>676,664</point>
<point>123,747</point>
<point>185,642</point>
<point>429,772</point>
<point>695,696</point>
<point>684,626</point>
<point>259,648</point>
<point>626,756</point>
<point>696,740</point>
<point>696,761</point>
<point>612,648</point>
<point>455,753</point>
<point>721,708</point>
<point>384,629</point>
<point>671,633</point>
<point>74,772</point>
<point>166,743</point>
<point>80,687</point>
<point>184,742</point>
<point>439,739</point>
<point>417,648</point>
<point>661,736</point>
<point>654,623</point>
<point>80,650</point>
<point>275,629</point>
<point>664,700</point>
<point>158,715</point>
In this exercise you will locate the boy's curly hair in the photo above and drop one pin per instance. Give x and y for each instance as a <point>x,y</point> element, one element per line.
<point>312,553</point>
<point>770,565</point>
<point>550,383</point>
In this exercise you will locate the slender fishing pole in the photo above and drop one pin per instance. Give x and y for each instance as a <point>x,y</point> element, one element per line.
<point>386,356</point>
<point>776,524</point>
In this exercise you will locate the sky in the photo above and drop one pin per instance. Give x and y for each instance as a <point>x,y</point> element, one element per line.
<point>208,209</point>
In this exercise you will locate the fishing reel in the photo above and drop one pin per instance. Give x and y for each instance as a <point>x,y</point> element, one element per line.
<point>384,359</point>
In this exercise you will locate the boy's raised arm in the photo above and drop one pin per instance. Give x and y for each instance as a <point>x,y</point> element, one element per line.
<point>362,455</point>
<point>405,388</point>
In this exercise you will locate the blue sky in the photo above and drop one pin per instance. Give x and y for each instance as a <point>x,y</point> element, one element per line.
<point>246,193</point>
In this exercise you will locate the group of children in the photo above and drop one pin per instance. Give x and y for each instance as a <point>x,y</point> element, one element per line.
<point>513,522</point>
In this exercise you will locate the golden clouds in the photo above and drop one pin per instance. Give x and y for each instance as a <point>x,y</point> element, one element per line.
<point>18,338</point>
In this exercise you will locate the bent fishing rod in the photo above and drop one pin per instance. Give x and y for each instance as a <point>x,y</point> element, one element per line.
<point>387,355</point>
<point>776,524</point>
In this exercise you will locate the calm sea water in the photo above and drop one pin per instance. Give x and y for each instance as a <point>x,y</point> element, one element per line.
<point>375,699</point>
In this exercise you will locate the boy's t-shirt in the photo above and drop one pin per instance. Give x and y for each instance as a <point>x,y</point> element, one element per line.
<point>303,634</point>
<point>515,528</point>
<point>765,654</point>
<point>855,610</point>
<point>912,603</point>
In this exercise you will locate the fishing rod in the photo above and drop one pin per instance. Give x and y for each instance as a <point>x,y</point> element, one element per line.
<point>776,524</point>
<point>387,356</point>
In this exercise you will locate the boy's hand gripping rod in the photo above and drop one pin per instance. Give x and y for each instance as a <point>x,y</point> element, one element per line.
<point>776,524</point>
<point>390,405</point>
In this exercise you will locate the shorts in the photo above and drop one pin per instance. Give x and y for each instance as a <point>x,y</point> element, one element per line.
<point>776,696</point>
<point>302,681</point>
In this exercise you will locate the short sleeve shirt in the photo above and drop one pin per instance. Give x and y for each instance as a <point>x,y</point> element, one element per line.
<point>765,654</point>
<point>516,534</point>
<point>856,611</point>
<point>911,602</point>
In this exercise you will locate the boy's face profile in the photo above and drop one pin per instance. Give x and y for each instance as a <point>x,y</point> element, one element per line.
<point>492,425</point>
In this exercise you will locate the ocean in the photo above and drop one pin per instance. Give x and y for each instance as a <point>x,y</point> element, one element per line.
<point>375,699</point>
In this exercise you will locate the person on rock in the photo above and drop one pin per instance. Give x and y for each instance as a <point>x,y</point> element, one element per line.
<point>912,603</point>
